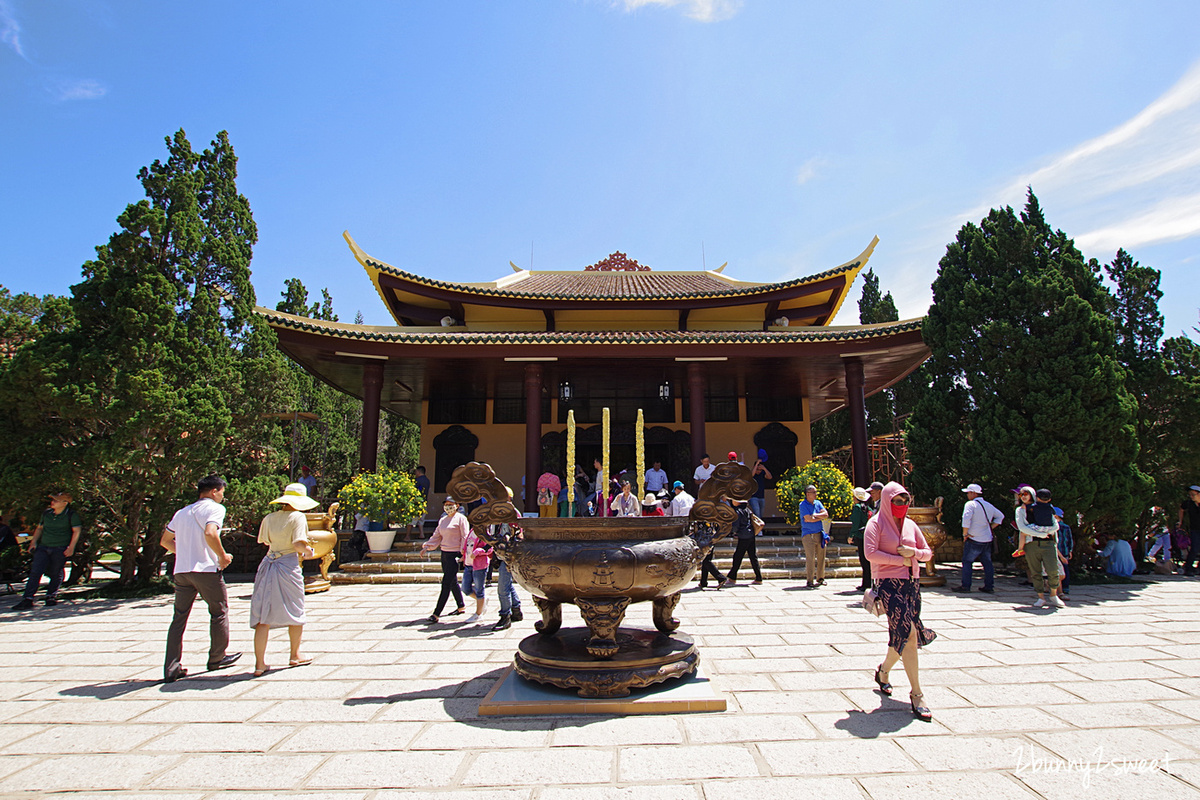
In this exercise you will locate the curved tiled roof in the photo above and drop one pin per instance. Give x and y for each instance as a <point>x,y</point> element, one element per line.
<point>613,286</point>
<point>372,333</point>
<point>602,285</point>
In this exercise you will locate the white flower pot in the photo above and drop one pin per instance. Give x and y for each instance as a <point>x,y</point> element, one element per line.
<point>380,541</point>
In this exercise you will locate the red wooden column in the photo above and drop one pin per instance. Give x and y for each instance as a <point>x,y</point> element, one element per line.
<point>856,403</point>
<point>696,410</point>
<point>368,448</point>
<point>533,433</point>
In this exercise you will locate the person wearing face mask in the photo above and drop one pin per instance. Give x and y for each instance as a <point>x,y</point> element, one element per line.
<point>895,547</point>
<point>451,529</point>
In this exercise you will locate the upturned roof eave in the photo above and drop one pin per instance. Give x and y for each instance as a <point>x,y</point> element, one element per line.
<point>468,294</point>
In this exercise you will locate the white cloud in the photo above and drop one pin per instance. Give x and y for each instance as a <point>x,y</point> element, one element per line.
<point>700,10</point>
<point>1135,185</point>
<point>809,170</point>
<point>79,90</point>
<point>10,29</point>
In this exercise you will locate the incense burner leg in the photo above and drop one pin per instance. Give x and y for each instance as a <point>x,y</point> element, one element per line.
<point>603,616</point>
<point>664,608</point>
<point>551,616</point>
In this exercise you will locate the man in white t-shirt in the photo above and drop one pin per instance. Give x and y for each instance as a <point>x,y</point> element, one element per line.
<point>682,502</point>
<point>703,472</point>
<point>194,536</point>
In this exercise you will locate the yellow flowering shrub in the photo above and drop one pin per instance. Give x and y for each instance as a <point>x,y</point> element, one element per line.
<point>385,496</point>
<point>833,490</point>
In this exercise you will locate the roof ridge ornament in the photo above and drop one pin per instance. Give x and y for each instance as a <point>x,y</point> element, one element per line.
<point>617,262</point>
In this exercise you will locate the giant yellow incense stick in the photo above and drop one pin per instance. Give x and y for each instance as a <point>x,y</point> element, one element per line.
<point>639,471</point>
<point>602,478</point>
<point>571,462</point>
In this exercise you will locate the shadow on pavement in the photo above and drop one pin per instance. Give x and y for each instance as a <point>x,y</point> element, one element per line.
<point>107,690</point>
<point>890,717</point>
<point>461,702</point>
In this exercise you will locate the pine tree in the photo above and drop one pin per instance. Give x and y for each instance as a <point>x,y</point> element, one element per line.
<point>164,373</point>
<point>1026,382</point>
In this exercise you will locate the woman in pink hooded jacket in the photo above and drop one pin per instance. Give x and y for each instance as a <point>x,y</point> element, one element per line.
<point>895,547</point>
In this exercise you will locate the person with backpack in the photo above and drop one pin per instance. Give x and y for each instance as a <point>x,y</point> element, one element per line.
<point>1191,508</point>
<point>979,519</point>
<point>53,542</point>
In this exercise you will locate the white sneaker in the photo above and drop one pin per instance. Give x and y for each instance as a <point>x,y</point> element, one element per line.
<point>1041,603</point>
<point>1058,602</point>
<point>470,619</point>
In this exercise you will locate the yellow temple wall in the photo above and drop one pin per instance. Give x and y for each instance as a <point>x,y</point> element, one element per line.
<point>503,447</point>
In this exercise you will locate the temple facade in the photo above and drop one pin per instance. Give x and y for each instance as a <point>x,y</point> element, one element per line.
<point>717,365</point>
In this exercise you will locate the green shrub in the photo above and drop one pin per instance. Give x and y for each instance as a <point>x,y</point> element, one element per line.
<point>385,496</point>
<point>833,490</point>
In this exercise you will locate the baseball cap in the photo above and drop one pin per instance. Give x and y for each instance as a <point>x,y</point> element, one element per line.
<point>974,487</point>
<point>677,485</point>
<point>876,487</point>
<point>732,456</point>
<point>1194,488</point>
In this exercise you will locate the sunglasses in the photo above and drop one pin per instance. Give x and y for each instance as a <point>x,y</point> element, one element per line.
<point>901,500</point>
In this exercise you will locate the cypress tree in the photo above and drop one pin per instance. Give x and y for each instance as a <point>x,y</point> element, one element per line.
<point>1026,384</point>
<point>163,374</point>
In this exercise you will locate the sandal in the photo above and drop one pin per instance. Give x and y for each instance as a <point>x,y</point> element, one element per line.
<point>299,662</point>
<point>432,619</point>
<point>258,673</point>
<point>457,611</point>
<point>884,686</point>
<point>920,711</point>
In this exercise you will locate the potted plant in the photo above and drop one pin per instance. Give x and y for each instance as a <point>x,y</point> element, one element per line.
<point>387,497</point>
<point>833,490</point>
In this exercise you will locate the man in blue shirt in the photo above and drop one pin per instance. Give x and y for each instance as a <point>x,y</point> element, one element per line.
<point>812,531</point>
<point>422,484</point>
<point>1120,557</point>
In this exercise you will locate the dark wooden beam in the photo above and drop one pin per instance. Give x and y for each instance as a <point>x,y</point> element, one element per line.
<point>549,314</point>
<point>683,318</point>
<point>804,312</point>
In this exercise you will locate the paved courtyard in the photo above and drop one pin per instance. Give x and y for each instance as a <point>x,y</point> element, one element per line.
<point>1100,700</point>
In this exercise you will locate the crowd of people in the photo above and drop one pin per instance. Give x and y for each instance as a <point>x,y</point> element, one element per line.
<point>890,545</point>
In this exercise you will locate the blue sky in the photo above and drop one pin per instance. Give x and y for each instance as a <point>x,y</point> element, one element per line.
<point>450,138</point>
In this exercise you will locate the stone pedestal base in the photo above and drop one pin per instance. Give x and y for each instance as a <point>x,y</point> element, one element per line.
<point>643,658</point>
<point>314,584</point>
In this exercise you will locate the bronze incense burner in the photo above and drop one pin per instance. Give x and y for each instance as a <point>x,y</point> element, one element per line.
<point>601,565</point>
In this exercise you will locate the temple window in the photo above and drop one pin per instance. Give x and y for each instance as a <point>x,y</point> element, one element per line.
<point>455,402</point>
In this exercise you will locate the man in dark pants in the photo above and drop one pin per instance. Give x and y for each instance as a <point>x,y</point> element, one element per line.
<point>53,542</point>
<point>979,520</point>
<point>194,536</point>
<point>744,530</point>
<point>1191,507</point>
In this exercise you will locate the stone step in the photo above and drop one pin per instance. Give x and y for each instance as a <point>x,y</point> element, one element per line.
<point>745,575</point>
<point>765,546</point>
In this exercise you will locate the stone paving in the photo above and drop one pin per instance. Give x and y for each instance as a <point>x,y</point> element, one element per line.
<point>1100,700</point>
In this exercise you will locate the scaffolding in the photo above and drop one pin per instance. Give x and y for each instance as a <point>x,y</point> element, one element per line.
<point>888,456</point>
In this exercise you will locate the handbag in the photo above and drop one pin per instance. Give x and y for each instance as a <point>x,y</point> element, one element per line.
<point>756,524</point>
<point>872,603</point>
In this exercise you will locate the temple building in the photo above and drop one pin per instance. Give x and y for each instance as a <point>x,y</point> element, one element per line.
<point>490,370</point>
